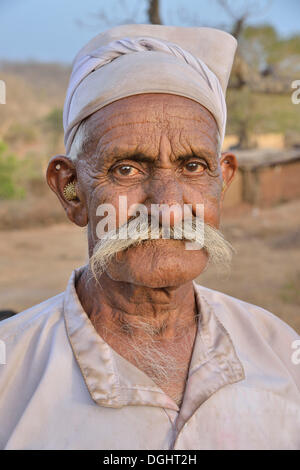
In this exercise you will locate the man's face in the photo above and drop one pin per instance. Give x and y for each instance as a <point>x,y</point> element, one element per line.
<point>153,149</point>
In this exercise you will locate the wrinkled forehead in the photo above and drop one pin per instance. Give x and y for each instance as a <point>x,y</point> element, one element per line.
<point>135,118</point>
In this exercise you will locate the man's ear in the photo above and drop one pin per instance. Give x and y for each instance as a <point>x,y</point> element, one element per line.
<point>229,167</point>
<point>60,172</point>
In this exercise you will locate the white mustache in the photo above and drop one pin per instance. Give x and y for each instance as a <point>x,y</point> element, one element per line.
<point>139,229</point>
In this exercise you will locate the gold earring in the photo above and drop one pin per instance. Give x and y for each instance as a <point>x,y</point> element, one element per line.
<point>70,191</point>
<point>223,186</point>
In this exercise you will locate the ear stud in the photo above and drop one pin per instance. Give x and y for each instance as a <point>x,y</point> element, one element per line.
<point>57,167</point>
<point>70,191</point>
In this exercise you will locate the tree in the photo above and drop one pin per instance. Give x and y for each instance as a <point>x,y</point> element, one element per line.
<point>153,12</point>
<point>263,63</point>
<point>53,125</point>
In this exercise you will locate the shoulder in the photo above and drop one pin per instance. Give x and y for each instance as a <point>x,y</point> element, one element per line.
<point>28,341</point>
<point>258,335</point>
<point>38,317</point>
<point>230,309</point>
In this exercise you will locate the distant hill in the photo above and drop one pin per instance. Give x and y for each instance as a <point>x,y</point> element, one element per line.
<point>36,93</point>
<point>32,90</point>
<point>50,78</point>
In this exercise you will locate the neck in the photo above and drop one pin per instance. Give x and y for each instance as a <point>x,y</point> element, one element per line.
<point>131,310</point>
<point>154,329</point>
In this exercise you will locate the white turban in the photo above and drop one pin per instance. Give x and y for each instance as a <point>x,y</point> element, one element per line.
<point>134,59</point>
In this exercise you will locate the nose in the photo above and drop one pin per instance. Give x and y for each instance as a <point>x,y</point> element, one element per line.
<point>165,198</point>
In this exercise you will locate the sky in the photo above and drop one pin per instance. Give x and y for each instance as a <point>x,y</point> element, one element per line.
<point>54,30</point>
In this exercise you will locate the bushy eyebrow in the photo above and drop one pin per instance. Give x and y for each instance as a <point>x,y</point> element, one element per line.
<point>109,158</point>
<point>135,156</point>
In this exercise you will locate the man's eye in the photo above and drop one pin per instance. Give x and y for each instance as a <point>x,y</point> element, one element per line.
<point>195,167</point>
<point>125,170</point>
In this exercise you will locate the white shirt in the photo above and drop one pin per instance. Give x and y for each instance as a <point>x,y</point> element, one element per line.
<point>64,387</point>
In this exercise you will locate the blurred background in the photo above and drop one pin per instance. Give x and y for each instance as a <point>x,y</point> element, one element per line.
<point>38,40</point>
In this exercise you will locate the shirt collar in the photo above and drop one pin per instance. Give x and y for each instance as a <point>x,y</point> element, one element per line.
<point>112,381</point>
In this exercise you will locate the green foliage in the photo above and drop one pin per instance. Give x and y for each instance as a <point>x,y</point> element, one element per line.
<point>54,121</point>
<point>10,168</point>
<point>262,47</point>
<point>243,116</point>
<point>284,48</point>
<point>265,112</point>
<point>21,133</point>
<point>290,292</point>
<point>53,125</point>
<point>256,44</point>
<point>265,34</point>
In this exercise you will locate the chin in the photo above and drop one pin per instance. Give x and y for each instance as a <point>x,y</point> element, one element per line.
<point>158,264</point>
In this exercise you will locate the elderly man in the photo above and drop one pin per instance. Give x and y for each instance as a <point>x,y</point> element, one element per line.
<point>134,354</point>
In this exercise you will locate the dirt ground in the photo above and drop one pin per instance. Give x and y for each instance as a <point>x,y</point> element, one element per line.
<point>36,263</point>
